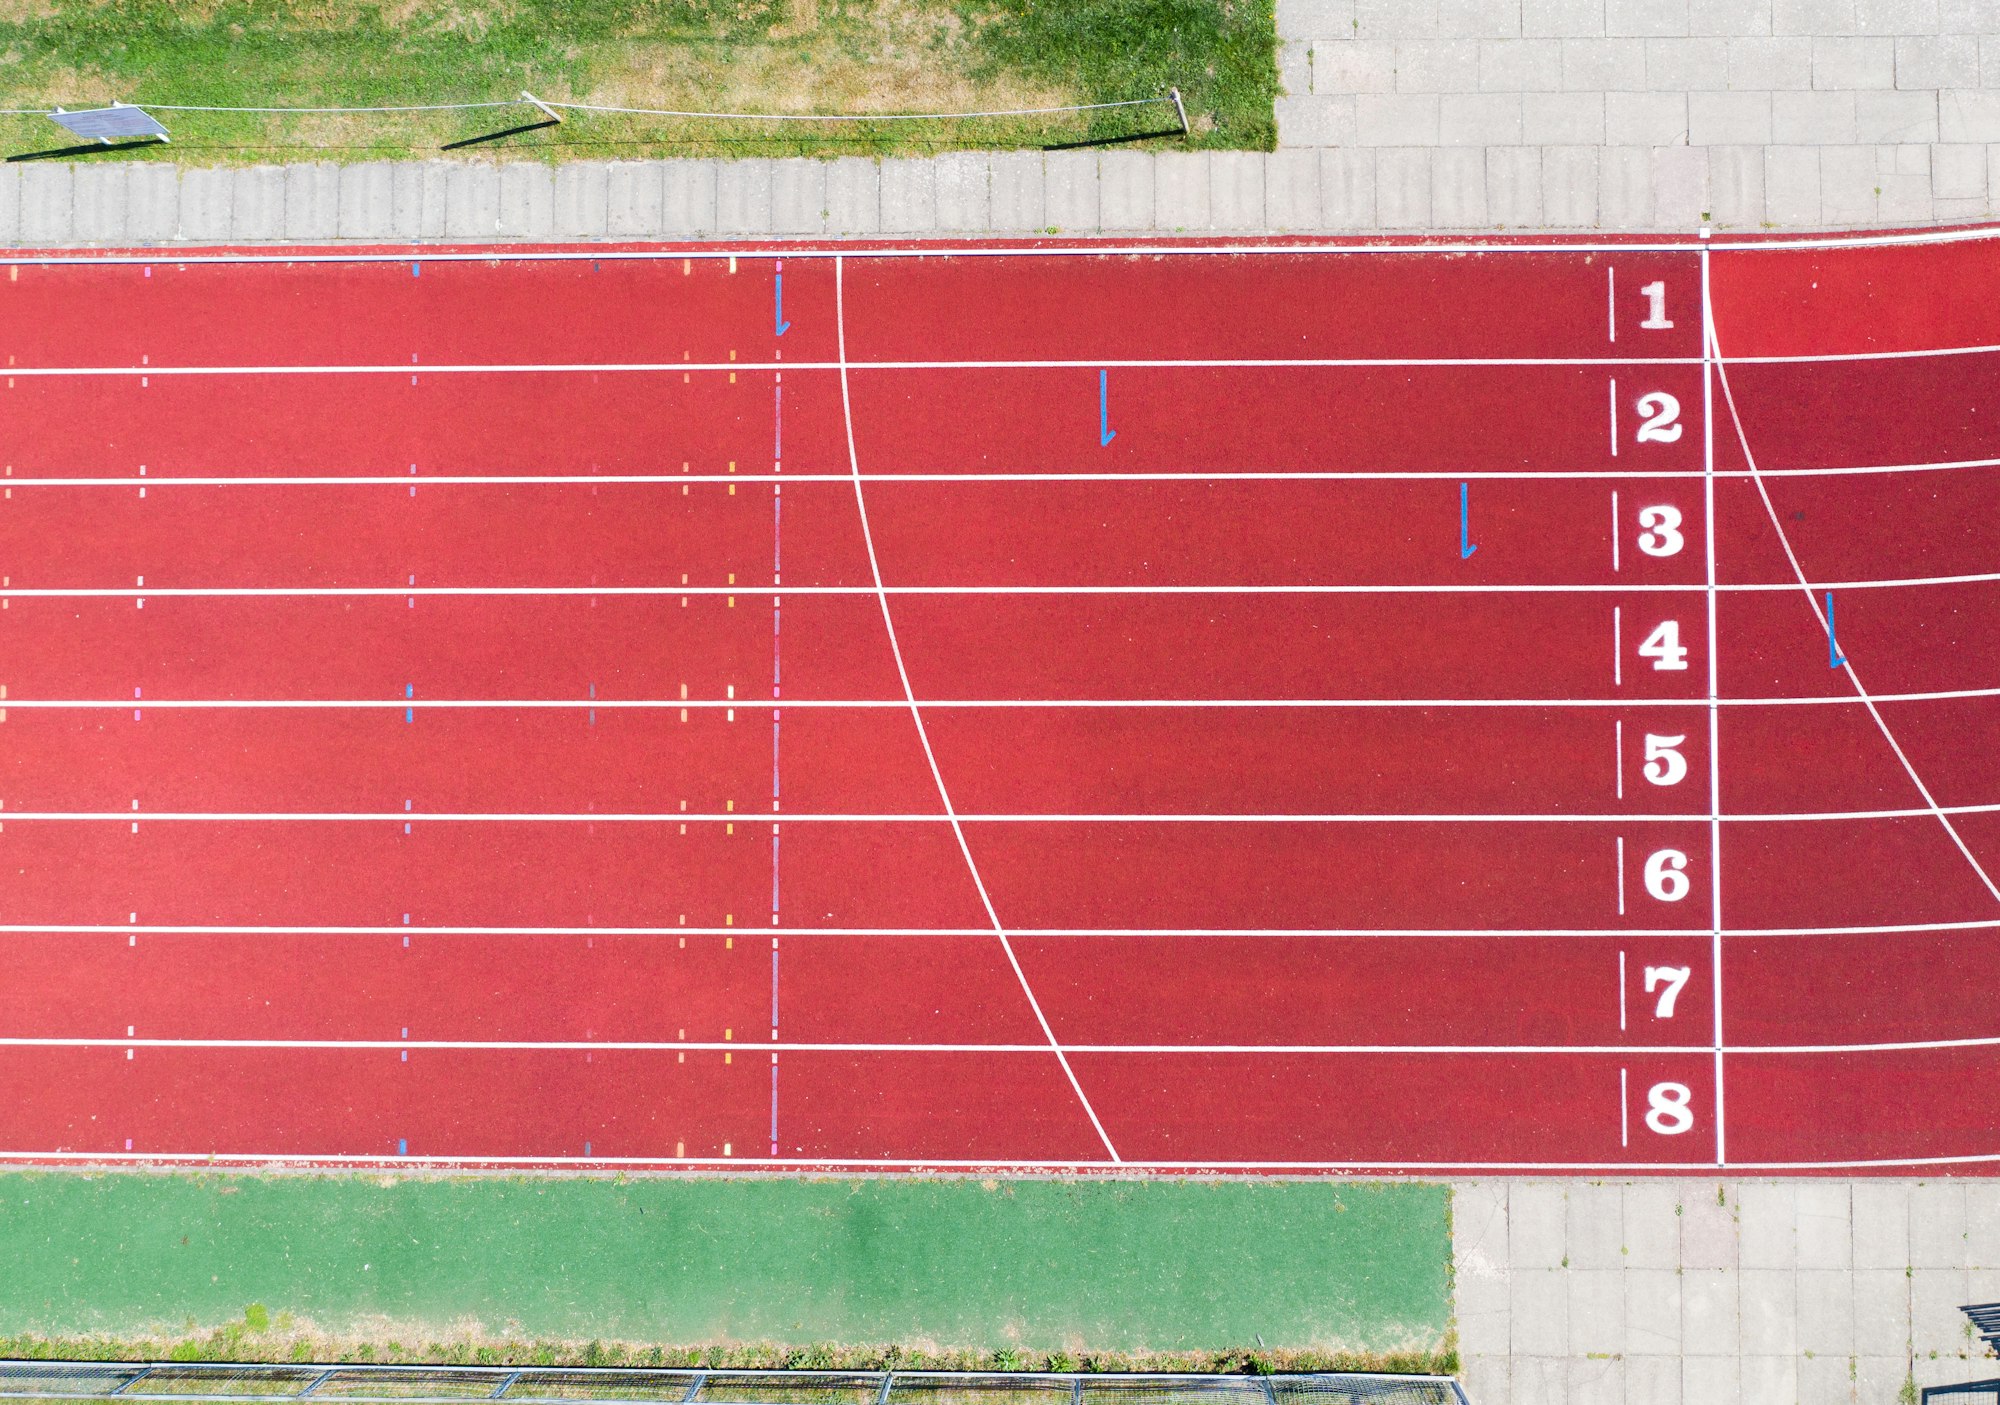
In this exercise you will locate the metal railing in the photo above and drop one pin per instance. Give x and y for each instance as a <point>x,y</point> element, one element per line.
<point>1970,1393</point>
<point>437,1385</point>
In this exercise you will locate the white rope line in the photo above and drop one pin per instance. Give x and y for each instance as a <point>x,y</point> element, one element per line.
<point>543,103</point>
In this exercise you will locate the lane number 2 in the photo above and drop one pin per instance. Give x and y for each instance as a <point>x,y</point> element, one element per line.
<point>1660,418</point>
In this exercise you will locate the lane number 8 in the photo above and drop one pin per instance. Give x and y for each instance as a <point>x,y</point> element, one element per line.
<point>1667,1110</point>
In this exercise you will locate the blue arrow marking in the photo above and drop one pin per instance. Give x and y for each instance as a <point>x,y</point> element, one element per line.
<point>1105,433</point>
<point>1834,658</point>
<point>783,325</point>
<point>1465,546</point>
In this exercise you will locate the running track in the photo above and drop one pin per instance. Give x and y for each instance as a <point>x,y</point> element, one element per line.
<point>531,709</point>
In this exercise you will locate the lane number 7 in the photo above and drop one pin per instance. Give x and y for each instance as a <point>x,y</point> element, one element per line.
<point>1668,981</point>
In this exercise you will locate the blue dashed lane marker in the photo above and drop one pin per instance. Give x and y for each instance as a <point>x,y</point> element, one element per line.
<point>409,713</point>
<point>1105,433</point>
<point>1465,546</point>
<point>416,270</point>
<point>1834,658</point>
<point>402,1146</point>
<point>778,293</point>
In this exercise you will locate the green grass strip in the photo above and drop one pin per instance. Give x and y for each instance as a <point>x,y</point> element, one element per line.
<point>754,1270</point>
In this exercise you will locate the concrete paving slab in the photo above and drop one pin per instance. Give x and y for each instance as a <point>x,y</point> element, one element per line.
<point>1540,1312</point>
<point>798,196</point>
<point>1881,1224</point>
<point>471,200</point>
<point>152,202</point>
<point>1402,188</point>
<point>1125,190</point>
<point>1937,1218</point>
<point>258,209</point>
<point>1768,1305</point>
<point>583,195</point>
<point>1015,192</point>
<point>909,196</point>
<point>1709,1306</point>
<point>10,204</point>
<point>1236,190</point>
<point>1070,192</point>
<point>1514,186</point>
<point>527,200</point>
<point>97,195</point>
<point>1537,1224</point>
<point>1708,1227</point>
<point>367,201</point>
<point>1881,1312</point>
<point>1291,190</point>
<point>634,199</point>
<point>1594,1225</point>
<point>964,192</point>
<point>312,202</point>
<point>1652,1312</point>
<point>1181,199</point>
<point>689,191</point>
<point>1569,187</point>
<point>1767,1223</point>
<point>207,198</point>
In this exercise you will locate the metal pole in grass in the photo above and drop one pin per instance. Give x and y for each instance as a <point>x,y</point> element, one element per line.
<point>1181,108</point>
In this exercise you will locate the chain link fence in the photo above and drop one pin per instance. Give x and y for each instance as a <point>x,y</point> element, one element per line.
<point>418,1385</point>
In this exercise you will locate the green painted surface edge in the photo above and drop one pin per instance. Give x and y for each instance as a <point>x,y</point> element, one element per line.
<point>1304,1269</point>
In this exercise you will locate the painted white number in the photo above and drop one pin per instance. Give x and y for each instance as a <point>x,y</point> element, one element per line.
<point>1666,875</point>
<point>1662,422</point>
<point>1667,1109</point>
<point>1664,765</point>
<point>1655,295</point>
<point>1662,534</point>
<point>1672,978</point>
<point>1663,646</point>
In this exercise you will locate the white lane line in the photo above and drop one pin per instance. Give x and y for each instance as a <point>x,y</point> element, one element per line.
<point>1812,603</point>
<point>1369,933</point>
<point>868,592</point>
<point>917,719</point>
<point>971,476</point>
<point>1224,817</point>
<point>970,704</point>
<point>694,1046</point>
<point>1714,715</point>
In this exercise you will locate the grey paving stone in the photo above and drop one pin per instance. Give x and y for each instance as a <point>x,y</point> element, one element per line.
<point>527,200</point>
<point>1708,1228</point>
<point>583,190</point>
<point>1319,121</point>
<point>1484,1312</point>
<point>1736,186</point>
<point>1593,1211</point>
<point>1402,189</point>
<point>1562,19</point>
<point>1896,117</point>
<point>1903,184</point>
<point>97,198</point>
<point>1514,186</point>
<point>1625,187</point>
<point>1774,1378</point>
<point>1478,19</point>
<point>1881,1312</point>
<point>1936,1324</point>
<point>1291,190</point>
<point>1652,1380</point>
<point>1458,189</point>
<point>1315,121</point>
<point>1479,119</point>
<point>1540,1312</point>
<point>1969,17</point>
<point>10,204</point>
<point>1604,65</point>
<point>1826,1311</point>
<point>854,198</point>
<point>1848,62</point>
<point>206,197</point>
<point>1395,119</point>
<point>1562,119</point>
<point>1783,61</point>
<point>1392,19</point>
<point>634,199</point>
<point>1652,1311</point>
<point>258,208</point>
<point>964,191</point>
<point>420,198</point>
<point>1729,119</point>
<point>367,201</point>
<point>1767,1212</point>
<point>1520,66</point>
<point>312,201</point>
<point>1645,119</point>
<point>1897,16</point>
<point>798,198</point>
<point>1937,1208</point>
<point>472,200</point>
<point>1596,1380</point>
<point>1880,1377</point>
<point>743,198</point>
<point>1489,1380</point>
<point>1569,186</point>
<point>1353,66</point>
<point>1686,65</point>
<point>1881,1219</point>
<point>1825,1208</point>
<point>1015,188</point>
<point>1847,190</point>
<point>1295,66</point>
<point>1314,17</point>
<point>1812,17</point>
<point>1825,1380</point>
<point>1596,1312</point>
<point>1350,194</point>
<point>1729,17</point>
<point>1814,119</point>
<point>1437,66</point>
<point>1236,190</point>
<point>1969,117</point>
<point>1713,1380</point>
<point>1709,1312</point>
<point>688,194</point>
<point>1070,192</point>
<point>1537,1222</point>
<point>152,202</point>
<point>1652,1208</point>
<point>1982,1197</point>
<point>909,197</point>
<point>1959,172</point>
<point>1937,61</point>
<point>1479,1227</point>
<point>1125,190</point>
<point>1768,1307</point>
<point>1645,17</point>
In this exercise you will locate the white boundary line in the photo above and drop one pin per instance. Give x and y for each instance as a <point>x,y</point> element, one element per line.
<point>1203,933</point>
<point>917,719</point>
<point>1812,603</point>
<point>1134,817</point>
<point>866,592</point>
<point>1714,719</point>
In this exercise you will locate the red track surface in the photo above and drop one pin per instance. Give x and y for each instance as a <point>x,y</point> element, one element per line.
<point>452,711</point>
